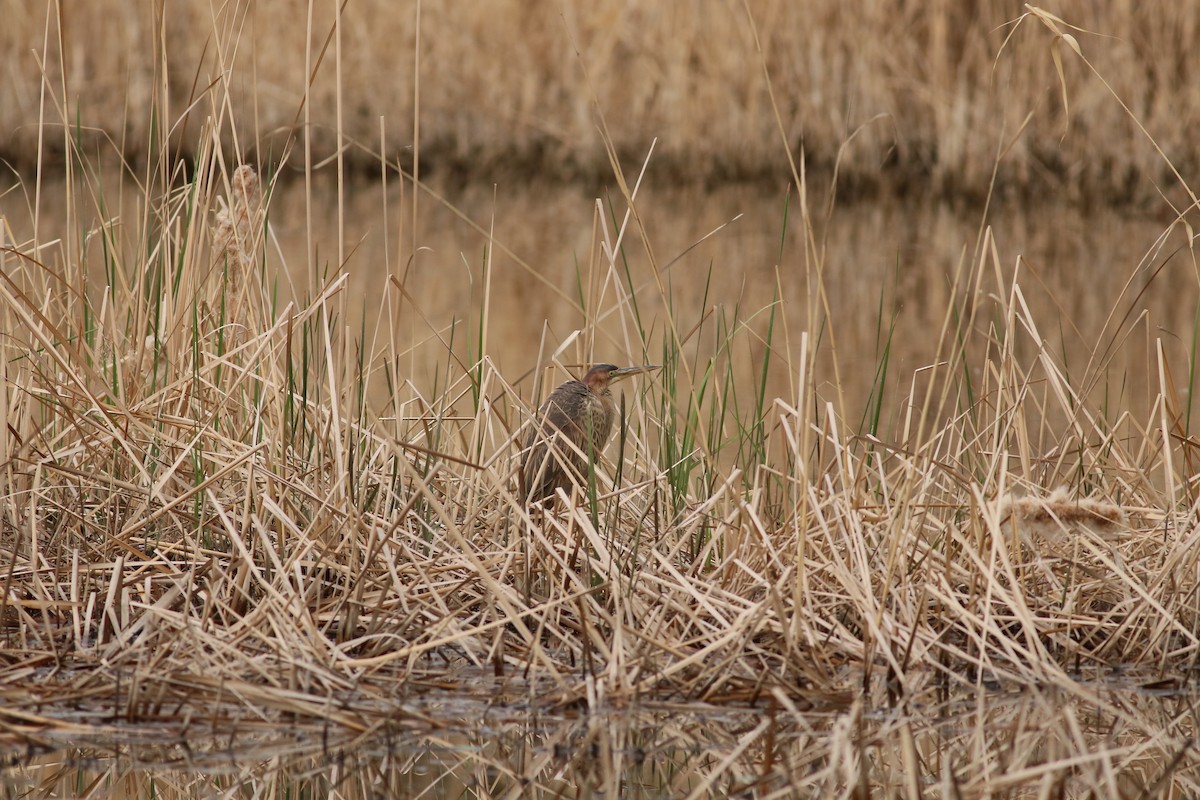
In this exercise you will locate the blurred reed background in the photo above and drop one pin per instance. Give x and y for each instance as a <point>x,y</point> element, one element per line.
<point>906,94</point>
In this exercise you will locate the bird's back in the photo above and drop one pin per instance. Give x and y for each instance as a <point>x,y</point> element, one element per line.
<point>571,411</point>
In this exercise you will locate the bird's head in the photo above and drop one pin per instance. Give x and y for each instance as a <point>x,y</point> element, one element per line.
<point>601,376</point>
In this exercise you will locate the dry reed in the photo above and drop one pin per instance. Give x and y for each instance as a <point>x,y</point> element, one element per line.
<point>208,516</point>
<point>511,84</point>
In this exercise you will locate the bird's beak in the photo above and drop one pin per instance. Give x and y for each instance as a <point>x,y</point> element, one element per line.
<point>625,372</point>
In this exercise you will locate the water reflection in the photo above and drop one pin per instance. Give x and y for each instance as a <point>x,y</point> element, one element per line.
<point>1099,284</point>
<point>1088,739</point>
<point>1086,277</point>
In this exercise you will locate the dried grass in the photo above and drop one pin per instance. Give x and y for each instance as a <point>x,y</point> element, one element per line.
<point>205,514</point>
<point>512,85</point>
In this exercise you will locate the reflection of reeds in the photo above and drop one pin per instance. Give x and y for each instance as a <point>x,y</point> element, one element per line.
<point>224,492</point>
<point>1110,742</point>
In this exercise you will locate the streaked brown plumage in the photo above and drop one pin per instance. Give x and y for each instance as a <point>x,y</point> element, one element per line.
<point>576,419</point>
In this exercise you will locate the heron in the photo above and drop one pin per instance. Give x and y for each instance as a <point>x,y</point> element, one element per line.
<point>570,428</point>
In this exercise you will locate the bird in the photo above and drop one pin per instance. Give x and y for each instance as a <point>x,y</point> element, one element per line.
<point>570,428</point>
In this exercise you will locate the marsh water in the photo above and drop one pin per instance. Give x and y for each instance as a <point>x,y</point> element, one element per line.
<point>1115,736</point>
<point>1111,732</point>
<point>1103,286</point>
<point>519,272</point>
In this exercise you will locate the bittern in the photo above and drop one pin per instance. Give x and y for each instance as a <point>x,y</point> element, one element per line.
<point>571,427</point>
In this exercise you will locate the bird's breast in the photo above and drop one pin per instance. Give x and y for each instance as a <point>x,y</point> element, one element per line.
<point>598,419</point>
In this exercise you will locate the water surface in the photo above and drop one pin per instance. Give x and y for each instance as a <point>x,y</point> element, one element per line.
<point>1116,736</point>
<point>1101,286</point>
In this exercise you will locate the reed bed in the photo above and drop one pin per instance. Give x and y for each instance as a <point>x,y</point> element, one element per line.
<point>228,499</point>
<point>199,492</point>
<point>912,94</point>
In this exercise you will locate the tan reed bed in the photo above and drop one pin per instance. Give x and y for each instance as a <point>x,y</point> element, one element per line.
<point>226,499</point>
<point>202,506</point>
<point>506,83</point>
